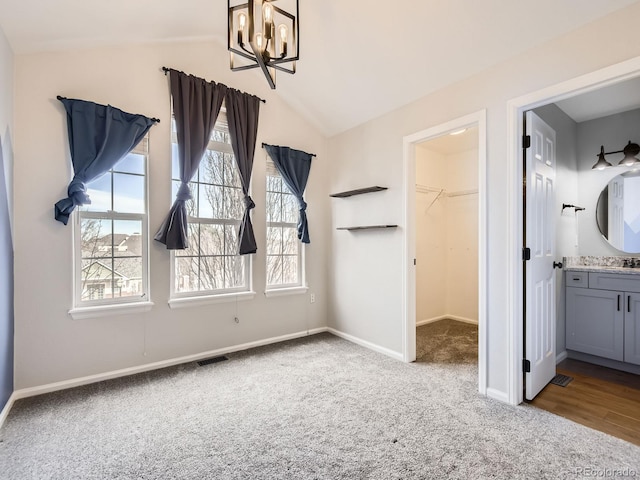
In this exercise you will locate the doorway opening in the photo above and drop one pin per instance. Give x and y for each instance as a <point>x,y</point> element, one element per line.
<point>599,108</point>
<point>447,248</point>
<point>423,267</point>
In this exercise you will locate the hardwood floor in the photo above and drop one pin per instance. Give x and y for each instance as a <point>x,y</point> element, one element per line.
<point>601,398</point>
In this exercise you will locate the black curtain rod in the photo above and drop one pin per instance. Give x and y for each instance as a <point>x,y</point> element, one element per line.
<point>59,97</point>
<point>167,70</point>
<point>312,154</point>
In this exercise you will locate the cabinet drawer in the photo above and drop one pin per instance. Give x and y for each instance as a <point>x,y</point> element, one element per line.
<point>613,281</point>
<point>577,279</point>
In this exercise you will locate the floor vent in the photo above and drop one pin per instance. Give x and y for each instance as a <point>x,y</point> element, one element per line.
<point>209,361</point>
<point>562,380</point>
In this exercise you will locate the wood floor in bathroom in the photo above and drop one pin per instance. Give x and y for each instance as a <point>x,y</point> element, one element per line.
<point>598,397</point>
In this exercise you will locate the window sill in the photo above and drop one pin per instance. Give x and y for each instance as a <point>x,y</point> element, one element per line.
<point>197,301</point>
<point>81,313</point>
<point>281,292</point>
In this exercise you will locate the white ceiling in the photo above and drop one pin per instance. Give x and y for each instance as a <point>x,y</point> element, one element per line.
<point>359,59</point>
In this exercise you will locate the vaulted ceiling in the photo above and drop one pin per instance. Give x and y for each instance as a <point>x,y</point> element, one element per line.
<point>359,58</point>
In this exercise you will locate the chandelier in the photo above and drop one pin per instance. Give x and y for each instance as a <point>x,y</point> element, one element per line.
<point>260,34</point>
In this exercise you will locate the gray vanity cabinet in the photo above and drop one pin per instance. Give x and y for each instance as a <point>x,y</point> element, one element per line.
<point>603,315</point>
<point>595,322</point>
<point>632,329</point>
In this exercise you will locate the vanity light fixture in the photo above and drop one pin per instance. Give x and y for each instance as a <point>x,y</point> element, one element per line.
<point>263,36</point>
<point>630,151</point>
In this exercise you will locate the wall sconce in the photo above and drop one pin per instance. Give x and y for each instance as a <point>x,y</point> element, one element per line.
<point>264,36</point>
<point>629,160</point>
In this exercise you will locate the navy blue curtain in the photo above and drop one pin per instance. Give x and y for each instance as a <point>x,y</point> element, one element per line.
<point>294,166</point>
<point>99,137</point>
<point>196,105</point>
<point>242,114</point>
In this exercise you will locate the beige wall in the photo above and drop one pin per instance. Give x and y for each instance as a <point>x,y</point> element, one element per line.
<point>50,346</point>
<point>447,236</point>
<point>368,302</point>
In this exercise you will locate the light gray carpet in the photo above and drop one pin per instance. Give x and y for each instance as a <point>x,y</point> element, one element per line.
<point>314,408</point>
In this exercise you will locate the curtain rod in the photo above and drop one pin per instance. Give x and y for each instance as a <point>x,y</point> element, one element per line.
<point>59,97</point>
<point>312,154</point>
<point>167,70</point>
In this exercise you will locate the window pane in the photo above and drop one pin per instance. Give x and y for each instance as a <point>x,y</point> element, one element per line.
<point>211,201</point>
<point>234,271</point>
<point>274,241</point>
<point>212,273</point>
<point>175,166</point>
<point>289,269</point>
<point>96,279</point>
<point>186,274</point>
<point>290,209</point>
<point>127,276</point>
<point>231,176</point>
<point>212,239</point>
<point>274,207</point>
<point>233,204</point>
<point>194,240</point>
<point>273,184</point>
<point>128,193</point>
<point>211,168</point>
<point>126,237</point>
<point>274,270</point>
<point>95,237</point>
<point>99,192</point>
<point>132,163</point>
<point>290,241</point>
<point>231,240</point>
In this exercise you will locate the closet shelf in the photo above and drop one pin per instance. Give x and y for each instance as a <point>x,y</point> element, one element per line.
<point>366,227</point>
<point>358,191</point>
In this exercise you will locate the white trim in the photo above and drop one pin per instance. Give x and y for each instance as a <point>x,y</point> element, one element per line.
<point>200,300</point>
<point>561,356</point>
<point>447,317</point>
<point>7,408</point>
<point>76,382</point>
<point>515,108</point>
<point>409,252</point>
<point>281,292</point>
<point>82,313</point>
<point>366,344</point>
<point>498,395</point>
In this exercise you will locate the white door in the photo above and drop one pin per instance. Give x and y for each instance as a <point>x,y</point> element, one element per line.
<point>540,292</point>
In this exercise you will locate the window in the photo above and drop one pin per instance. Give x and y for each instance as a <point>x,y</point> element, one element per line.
<point>111,235</point>
<point>284,250</point>
<point>211,265</point>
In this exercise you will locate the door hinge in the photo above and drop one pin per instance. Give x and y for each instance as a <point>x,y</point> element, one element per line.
<point>526,141</point>
<point>526,365</point>
<point>526,254</point>
<point>414,261</point>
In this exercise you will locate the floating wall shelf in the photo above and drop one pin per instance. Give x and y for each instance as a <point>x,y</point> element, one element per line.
<point>367,227</point>
<point>359,191</point>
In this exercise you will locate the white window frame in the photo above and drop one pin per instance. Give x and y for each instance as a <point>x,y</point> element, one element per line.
<point>283,288</point>
<point>200,297</point>
<point>100,307</point>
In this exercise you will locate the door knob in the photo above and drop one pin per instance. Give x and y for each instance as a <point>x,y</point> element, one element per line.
<point>557,264</point>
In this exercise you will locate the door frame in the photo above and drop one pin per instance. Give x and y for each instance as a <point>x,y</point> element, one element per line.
<point>515,109</point>
<point>478,119</point>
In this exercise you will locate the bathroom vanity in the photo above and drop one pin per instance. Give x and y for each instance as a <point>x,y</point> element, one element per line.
<point>603,315</point>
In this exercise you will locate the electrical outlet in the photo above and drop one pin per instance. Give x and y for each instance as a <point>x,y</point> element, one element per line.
<point>313,298</point>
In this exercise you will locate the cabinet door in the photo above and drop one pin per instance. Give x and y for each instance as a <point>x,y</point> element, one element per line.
<point>632,328</point>
<point>595,322</point>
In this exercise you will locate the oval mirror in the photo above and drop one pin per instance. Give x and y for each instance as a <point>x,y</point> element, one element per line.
<point>618,212</point>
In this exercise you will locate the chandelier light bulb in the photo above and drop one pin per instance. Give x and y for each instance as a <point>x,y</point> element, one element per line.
<point>242,20</point>
<point>260,42</point>
<point>284,35</point>
<point>267,12</point>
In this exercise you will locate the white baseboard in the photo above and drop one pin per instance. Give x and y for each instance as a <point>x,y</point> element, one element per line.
<point>561,356</point>
<point>445,317</point>
<point>7,408</point>
<point>366,344</point>
<point>76,382</point>
<point>497,395</point>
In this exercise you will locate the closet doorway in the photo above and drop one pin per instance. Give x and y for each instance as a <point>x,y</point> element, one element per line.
<point>445,256</point>
<point>447,248</point>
